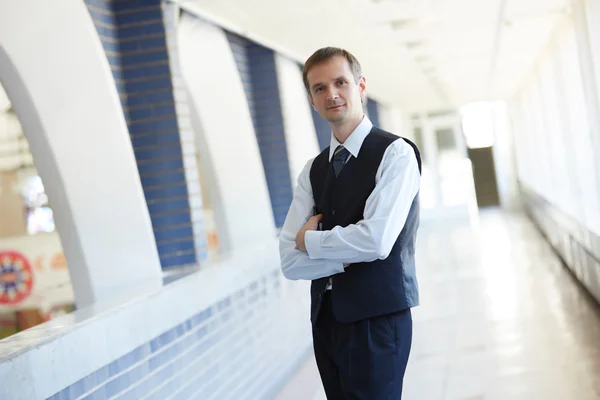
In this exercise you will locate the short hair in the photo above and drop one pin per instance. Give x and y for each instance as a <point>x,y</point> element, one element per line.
<point>325,54</point>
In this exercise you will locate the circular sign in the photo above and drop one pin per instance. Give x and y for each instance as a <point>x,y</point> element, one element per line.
<point>16,277</point>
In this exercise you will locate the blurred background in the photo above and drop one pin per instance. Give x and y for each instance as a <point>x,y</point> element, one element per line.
<point>148,155</point>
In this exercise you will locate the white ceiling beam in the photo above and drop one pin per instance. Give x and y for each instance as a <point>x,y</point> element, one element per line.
<point>496,45</point>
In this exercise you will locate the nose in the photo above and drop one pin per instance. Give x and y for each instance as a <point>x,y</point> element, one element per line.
<point>332,93</point>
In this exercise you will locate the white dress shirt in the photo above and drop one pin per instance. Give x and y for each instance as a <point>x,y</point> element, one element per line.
<point>397,183</point>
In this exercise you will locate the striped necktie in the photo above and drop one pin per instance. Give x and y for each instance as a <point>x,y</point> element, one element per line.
<point>339,159</point>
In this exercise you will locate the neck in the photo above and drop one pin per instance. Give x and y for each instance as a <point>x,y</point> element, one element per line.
<point>342,130</point>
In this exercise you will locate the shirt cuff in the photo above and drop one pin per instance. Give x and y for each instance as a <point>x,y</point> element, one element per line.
<point>335,265</point>
<point>312,242</point>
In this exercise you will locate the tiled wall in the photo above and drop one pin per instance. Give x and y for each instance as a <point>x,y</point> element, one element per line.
<point>243,347</point>
<point>577,246</point>
<point>133,35</point>
<point>373,111</point>
<point>322,128</point>
<point>186,133</point>
<point>239,48</point>
<point>256,65</point>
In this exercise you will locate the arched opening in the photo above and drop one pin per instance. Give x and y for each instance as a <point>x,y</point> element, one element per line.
<point>62,93</point>
<point>34,280</point>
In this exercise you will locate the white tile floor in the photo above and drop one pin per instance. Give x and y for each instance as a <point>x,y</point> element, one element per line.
<point>500,318</point>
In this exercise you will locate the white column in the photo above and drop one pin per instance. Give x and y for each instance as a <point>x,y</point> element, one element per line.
<point>300,136</point>
<point>430,181</point>
<point>504,158</point>
<point>393,120</point>
<point>586,16</point>
<point>57,77</point>
<point>227,145</point>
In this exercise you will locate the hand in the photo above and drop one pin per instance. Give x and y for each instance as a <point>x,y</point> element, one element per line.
<point>311,225</point>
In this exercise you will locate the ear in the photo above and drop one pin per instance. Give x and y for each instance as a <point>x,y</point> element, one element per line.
<point>362,87</point>
<point>312,103</point>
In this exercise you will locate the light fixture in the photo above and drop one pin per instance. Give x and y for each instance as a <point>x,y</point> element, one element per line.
<point>478,124</point>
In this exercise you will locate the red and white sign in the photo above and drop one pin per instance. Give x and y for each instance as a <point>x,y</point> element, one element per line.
<point>33,273</point>
<point>16,277</point>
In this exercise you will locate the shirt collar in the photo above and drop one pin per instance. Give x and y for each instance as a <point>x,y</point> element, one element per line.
<point>355,140</point>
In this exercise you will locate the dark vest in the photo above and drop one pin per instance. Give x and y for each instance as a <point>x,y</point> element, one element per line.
<point>374,288</point>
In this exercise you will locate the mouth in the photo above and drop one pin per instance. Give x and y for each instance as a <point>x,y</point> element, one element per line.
<point>335,107</point>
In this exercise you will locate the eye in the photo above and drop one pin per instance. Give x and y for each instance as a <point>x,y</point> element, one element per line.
<point>319,89</point>
<point>340,83</point>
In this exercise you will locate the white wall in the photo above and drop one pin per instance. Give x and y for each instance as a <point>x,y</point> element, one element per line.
<point>554,117</point>
<point>256,341</point>
<point>227,144</point>
<point>56,74</point>
<point>386,121</point>
<point>504,158</point>
<point>393,120</point>
<point>300,135</point>
<point>587,21</point>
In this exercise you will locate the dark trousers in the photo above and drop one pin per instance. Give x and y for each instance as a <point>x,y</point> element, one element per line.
<point>363,360</point>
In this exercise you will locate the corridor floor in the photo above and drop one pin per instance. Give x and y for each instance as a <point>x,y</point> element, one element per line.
<point>500,319</point>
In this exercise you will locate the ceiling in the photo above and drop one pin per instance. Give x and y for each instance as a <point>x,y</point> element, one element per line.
<point>14,150</point>
<point>419,55</point>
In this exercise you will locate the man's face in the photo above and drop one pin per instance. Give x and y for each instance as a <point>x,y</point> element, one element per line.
<point>334,92</point>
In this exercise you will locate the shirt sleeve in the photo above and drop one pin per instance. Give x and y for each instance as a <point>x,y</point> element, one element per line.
<point>296,264</point>
<point>386,210</point>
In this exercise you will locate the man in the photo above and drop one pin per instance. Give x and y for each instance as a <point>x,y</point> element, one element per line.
<point>351,229</point>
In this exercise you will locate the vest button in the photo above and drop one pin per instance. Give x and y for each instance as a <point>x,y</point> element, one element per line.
<point>333,212</point>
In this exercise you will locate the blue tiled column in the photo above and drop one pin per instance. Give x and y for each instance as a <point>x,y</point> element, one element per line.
<point>373,111</point>
<point>322,128</point>
<point>256,65</point>
<point>134,37</point>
